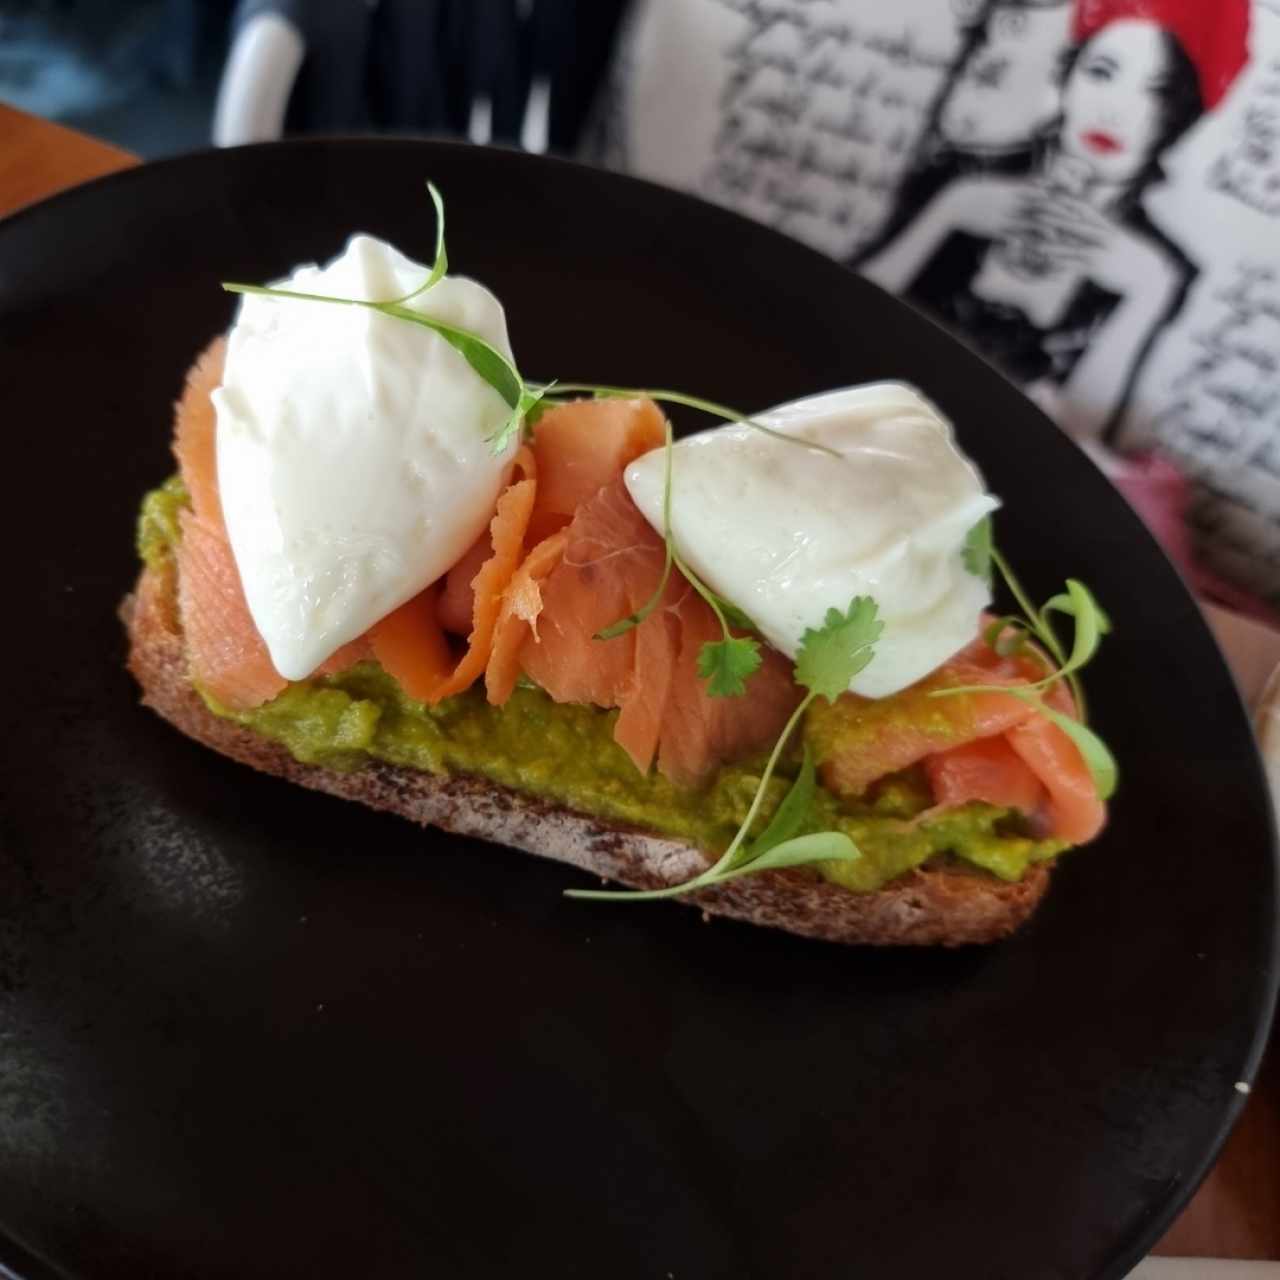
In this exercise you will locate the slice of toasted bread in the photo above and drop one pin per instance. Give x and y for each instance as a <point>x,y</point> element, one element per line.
<point>941,906</point>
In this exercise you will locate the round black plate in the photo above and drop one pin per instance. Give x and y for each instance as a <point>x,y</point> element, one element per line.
<point>251,1031</point>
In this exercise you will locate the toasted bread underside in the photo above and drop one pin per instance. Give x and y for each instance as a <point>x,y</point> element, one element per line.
<point>932,906</point>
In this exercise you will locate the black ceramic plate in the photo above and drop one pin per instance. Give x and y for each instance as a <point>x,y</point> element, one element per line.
<point>251,1031</point>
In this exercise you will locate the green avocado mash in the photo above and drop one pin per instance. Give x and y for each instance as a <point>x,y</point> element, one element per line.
<point>566,753</point>
<point>158,527</point>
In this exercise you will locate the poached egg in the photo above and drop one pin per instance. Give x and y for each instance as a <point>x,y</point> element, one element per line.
<point>354,467</point>
<point>787,532</point>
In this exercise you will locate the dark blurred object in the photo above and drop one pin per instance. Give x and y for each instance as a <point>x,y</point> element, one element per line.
<point>139,73</point>
<point>443,67</point>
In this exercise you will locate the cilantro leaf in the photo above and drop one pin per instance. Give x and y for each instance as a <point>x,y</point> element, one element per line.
<point>726,664</point>
<point>833,654</point>
<point>977,549</point>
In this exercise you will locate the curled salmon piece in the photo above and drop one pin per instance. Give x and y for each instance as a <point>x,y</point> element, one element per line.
<point>456,603</point>
<point>578,448</point>
<point>987,746</point>
<point>226,654</point>
<point>518,616</point>
<point>610,567</point>
<point>228,658</point>
<point>195,432</point>
<point>583,446</point>
<point>987,769</point>
<point>858,740</point>
<point>1074,811</point>
<point>410,643</point>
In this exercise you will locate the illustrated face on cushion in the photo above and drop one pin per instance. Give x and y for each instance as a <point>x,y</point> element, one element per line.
<point>1113,113</point>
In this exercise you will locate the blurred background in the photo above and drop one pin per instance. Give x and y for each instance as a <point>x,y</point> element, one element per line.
<point>140,73</point>
<point>146,75</point>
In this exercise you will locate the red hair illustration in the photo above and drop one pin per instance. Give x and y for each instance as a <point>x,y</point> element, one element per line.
<point>1214,34</point>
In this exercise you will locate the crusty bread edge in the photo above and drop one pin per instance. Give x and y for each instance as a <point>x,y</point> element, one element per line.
<point>938,906</point>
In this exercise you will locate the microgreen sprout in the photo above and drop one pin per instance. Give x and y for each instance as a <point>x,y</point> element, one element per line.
<point>1011,634</point>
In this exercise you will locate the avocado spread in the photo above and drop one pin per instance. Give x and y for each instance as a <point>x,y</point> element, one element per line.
<point>158,525</point>
<point>565,753</point>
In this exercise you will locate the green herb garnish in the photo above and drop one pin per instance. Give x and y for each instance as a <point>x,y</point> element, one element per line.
<point>693,402</point>
<point>726,664</point>
<point>830,656</point>
<point>1011,634</point>
<point>440,264</point>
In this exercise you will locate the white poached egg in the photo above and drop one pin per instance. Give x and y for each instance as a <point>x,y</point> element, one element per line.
<point>786,532</point>
<point>353,462</point>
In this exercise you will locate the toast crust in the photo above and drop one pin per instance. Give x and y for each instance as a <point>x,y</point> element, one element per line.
<point>934,906</point>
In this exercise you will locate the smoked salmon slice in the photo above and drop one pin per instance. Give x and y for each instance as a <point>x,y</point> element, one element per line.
<point>983,746</point>
<point>228,657</point>
<point>610,566</point>
<point>583,446</point>
<point>409,645</point>
<point>455,607</point>
<point>518,616</point>
<point>987,769</point>
<point>859,740</point>
<point>195,431</point>
<point>1074,810</point>
<point>578,448</point>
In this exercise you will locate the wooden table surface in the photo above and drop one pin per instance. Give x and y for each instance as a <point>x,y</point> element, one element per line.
<point>1236,1213</point>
